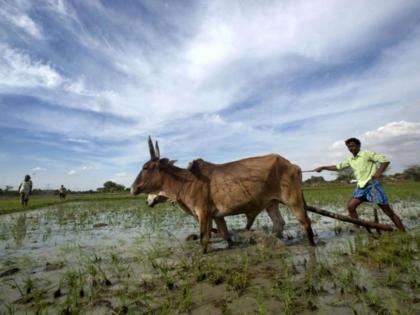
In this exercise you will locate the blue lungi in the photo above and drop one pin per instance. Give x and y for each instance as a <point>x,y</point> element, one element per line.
<point>365,193</point>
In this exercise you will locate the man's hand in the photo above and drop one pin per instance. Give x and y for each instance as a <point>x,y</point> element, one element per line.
<point>376,176</point>
<point>380,170</point>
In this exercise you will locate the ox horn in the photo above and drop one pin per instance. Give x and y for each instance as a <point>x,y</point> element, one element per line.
<point>157,150</point>
<point>151,149</point>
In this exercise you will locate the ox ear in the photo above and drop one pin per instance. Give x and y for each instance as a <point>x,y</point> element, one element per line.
<point>157,150</point>
<point>151,149</point>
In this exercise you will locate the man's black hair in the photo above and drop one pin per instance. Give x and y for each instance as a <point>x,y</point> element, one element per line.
<point>354,140</point>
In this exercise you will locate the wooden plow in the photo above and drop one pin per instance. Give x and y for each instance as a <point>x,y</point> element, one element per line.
<point>374,225</point>
<point>367,224</point>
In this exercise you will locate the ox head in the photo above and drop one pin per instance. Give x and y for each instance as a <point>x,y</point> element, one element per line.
<point>154,199</point>
<point>150,178</point>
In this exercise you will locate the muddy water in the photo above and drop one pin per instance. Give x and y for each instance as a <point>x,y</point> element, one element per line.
<point>42,250</point>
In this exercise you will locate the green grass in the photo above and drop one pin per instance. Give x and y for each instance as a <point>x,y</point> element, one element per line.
<point>12,204</point>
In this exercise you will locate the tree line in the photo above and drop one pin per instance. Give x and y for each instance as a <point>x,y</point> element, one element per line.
<point>108,187</point>
<point>411,173</point>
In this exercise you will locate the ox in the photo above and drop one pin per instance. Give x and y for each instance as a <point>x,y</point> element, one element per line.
<point>154,199</point>
<point>260,183</point>
<point>227,171</point>
<point>274,214</point>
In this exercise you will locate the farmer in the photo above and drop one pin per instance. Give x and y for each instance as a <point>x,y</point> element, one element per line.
<point>62,192</point>
<point>365,168</point>
<point>25,189</point>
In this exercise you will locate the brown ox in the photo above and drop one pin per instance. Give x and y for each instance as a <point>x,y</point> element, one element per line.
<point>260,182</point>
<point>228,172</point>
<point>154,199</point>
<point>276,218</point>
<point>160,197</point>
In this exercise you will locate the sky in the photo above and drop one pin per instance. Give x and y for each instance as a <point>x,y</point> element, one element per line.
<point>84,83</point>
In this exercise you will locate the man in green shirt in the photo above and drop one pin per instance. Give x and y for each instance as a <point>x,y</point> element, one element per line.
<point>365,167</point>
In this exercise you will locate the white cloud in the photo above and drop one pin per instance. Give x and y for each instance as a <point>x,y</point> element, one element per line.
<point>17,69</point>
<point>87,167</point>
<point>215,119</point>
<point>15,13</point>
<point>38,169</point>
<point>27,24</point>
<point>80,169</point>
<point>400,141</point>
<point>78,140</point>
<point>393,131</point>
<point>59,6</point>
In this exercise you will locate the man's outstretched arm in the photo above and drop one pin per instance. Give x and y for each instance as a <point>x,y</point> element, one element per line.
<point>326,168</point>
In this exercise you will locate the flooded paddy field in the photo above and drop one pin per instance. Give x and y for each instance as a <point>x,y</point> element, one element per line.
<point>121,257</point>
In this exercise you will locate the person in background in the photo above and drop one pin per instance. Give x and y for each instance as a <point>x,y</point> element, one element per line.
<point>367,168</point>
<point>25,190</point>
<point>62,192</point>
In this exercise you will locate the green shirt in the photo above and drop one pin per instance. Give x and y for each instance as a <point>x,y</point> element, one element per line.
<point>364,165</point>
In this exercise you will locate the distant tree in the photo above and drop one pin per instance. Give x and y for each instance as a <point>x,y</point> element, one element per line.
<point>110,186</point>
<point>345,175</point>
<point>412,172</point>
<point>8,188</point>
<point>315,180</point>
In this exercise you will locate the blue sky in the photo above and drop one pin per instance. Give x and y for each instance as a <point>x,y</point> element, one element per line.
<point>83,83</point>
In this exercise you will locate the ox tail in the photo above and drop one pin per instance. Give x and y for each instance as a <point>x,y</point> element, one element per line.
<point>310,208</point>
<point>305,205</point>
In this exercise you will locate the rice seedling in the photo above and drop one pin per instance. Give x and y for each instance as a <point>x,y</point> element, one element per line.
<point>286,289</point>
<point>186,299</point>
<point>239,281</point>
<point>262,310</point>
<point>10,309</point>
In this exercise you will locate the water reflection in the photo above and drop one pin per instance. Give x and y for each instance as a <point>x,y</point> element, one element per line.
<point>19,230</point>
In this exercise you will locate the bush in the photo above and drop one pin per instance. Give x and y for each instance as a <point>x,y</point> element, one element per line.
<point>412,172</point>
<point>315,180</point>
<point>110,186</point>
